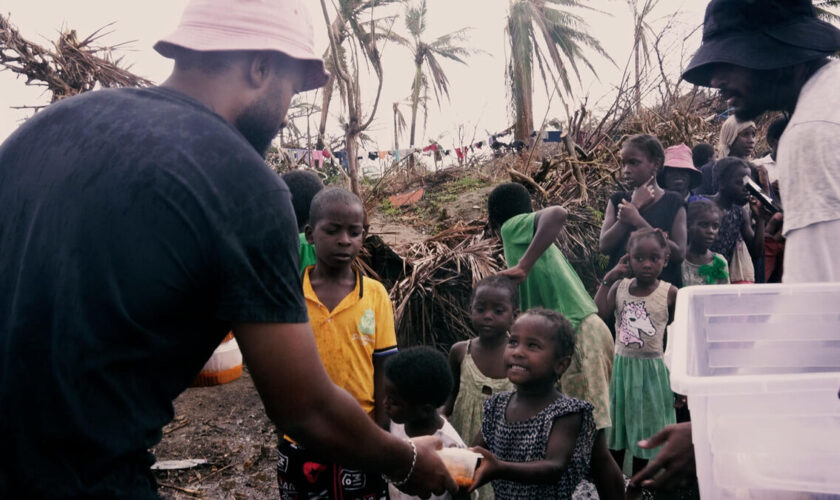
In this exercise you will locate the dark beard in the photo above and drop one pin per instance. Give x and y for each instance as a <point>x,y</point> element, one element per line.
<point>258,127</point>
<point>749,113</point>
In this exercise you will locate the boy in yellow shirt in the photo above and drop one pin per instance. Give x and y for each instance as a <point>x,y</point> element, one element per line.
<point>353,323</point>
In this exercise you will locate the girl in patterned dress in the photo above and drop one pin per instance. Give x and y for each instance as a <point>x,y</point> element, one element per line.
<point>641,401</point>
<point>537,442</point>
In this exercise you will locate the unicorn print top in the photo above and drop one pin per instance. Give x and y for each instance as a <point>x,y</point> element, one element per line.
<point>640,321</point>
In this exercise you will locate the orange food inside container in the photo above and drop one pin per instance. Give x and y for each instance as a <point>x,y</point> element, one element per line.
<point>463,481</point>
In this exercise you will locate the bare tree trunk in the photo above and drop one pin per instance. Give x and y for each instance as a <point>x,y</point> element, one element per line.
<point>352,147</point>
<point>523,104</point>
<point>396,130</point>
<point>581,180</point>
<point>415,100</point>
<point>326,97</point>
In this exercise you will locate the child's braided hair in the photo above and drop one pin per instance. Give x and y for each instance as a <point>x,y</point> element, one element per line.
<point>656,234</point>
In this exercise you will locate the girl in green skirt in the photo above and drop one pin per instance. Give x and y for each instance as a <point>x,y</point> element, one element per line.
<point>641,401</point>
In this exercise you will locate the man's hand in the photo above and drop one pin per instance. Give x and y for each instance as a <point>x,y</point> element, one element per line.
<point>643,196</point>
<point>429,475</point>
<point>674,466</point>
<point>516,273</point>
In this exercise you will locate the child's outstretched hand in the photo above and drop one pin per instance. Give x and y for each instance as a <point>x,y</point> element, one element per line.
<point>516,273</point>
<point>486,469</point>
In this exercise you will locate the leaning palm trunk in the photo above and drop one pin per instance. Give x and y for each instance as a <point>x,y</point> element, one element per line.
<point>523,104</point>
<point>415,102</point>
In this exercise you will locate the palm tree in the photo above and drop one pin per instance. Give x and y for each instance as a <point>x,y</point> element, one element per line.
<point>427,66</point>
<point>347,55</point>
<point>827,10</point>
<point>341,28</point>
<point>641,51</point>
<point>563,34</point>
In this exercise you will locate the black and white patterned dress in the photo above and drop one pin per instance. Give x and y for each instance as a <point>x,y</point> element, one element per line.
<point>526,441</point>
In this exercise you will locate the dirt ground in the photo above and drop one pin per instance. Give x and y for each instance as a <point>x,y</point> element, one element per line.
<point>227,426</point>
<point>394,233</point>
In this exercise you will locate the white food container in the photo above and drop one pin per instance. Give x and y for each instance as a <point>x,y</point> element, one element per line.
<point>760,365</point>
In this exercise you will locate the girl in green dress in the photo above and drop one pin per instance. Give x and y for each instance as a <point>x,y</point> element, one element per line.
<point>641,401</point>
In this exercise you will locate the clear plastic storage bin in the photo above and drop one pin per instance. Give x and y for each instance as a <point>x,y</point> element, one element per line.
<point>760,365</point>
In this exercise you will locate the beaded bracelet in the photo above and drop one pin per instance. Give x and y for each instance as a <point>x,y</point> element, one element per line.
<point>410,470</point>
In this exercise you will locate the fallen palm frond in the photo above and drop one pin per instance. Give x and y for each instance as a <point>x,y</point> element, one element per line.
<point>71,66</point>
<point>432,302</point>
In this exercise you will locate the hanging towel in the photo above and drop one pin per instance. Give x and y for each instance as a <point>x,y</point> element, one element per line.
<point>460,153</point>
<point>430,147</point>
<point>342,158</point>
<point>318,157</point>
<point>382,155</point>
<point>372,155</point>
<point>326,154</point>
<point>397,155</point>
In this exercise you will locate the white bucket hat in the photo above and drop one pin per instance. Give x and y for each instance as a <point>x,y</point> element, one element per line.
<point>224,25</point>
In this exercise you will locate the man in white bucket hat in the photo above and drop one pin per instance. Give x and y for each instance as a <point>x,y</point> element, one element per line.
<point>138,227</point>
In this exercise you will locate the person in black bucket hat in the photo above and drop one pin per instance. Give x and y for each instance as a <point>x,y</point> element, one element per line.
<point>773,55</point>
<point>775,45</point>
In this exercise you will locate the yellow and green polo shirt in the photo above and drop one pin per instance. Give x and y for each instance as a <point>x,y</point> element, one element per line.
<point>348,338</point>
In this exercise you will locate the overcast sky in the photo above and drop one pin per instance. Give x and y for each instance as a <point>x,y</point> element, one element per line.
<point>478,91</point>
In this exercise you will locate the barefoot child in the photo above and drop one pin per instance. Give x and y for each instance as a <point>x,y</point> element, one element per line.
<point>477,364</point>
<point>640,394</point>
<point>702,266</point>
<point>536,441</point>
<point>353,324</point>
<point>417,383</point>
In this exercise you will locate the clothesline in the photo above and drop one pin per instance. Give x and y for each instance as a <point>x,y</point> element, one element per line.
<point>317,157</point>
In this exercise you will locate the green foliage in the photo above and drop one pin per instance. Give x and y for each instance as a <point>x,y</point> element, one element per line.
<point>388,210</point>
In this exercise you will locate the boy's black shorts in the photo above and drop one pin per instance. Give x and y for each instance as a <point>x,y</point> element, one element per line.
<point>303,475</point>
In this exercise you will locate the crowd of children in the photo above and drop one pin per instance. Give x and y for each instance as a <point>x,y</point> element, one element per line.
<point>545,392</point>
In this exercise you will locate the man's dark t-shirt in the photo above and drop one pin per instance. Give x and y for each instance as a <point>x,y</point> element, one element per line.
<point>136,227</point>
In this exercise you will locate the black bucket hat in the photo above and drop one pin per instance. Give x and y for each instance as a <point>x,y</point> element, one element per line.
<point>760,35</point>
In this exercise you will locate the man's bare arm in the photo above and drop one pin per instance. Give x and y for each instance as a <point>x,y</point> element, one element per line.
<point>300,398</point>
